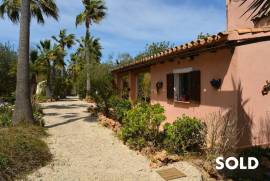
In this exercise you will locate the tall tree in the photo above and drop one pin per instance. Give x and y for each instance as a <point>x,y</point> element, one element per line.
<point>23,108</point>
<point>22,11</point>
<point>94,12</point>
<point>65,40</point>
<point>93,45</point>
<point>50,58</point>
<point>154,48</point>
<point>8,57</point>
<point>33,70</point>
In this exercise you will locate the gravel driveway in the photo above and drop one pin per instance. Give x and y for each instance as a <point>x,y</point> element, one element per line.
<point>85,151</point>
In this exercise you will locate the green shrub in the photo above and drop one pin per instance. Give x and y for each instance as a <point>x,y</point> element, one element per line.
<point>38,114</point>
<point>185,134</point>
<point>10,98</point>
<point>141,126</point>
<point>6,115</point>
<point>7,110</point>
<point>102,87</point>
<point>40,98</point>
<point>120,107</point>
<point>22,151</point>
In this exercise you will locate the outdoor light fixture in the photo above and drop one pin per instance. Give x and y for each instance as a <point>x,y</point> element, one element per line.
<point>266,88</point>
<point>216,83</point>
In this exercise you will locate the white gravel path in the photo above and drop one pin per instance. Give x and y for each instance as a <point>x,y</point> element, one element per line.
<point>85,151</point>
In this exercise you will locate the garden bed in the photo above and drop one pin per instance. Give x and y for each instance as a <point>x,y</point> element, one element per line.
<point>22,151</point>
<point>138,126</point>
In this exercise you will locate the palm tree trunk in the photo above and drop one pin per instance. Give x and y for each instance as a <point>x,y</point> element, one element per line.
<point>88,78</point>
<point>49,82</point>
<point>23,107</point>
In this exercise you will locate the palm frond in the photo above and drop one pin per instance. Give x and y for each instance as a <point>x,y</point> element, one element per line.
<point>258,8</point>
<point>38,8</point>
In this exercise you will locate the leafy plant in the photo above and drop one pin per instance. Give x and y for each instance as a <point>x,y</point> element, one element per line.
<point>6,115</point>
<point>38,114</point>
<point>154,48</point>
<point>8,58</point>
<point>102,87</point>
<point>184,135</point>
<point>120,107</point>
<point>40,98</point>
<point>141,125</point>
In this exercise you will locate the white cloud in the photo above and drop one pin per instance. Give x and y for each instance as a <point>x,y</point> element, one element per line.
<point>155,20</point>
<point>130,24</point>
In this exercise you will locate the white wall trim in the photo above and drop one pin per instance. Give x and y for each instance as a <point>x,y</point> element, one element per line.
<point>183,70</point>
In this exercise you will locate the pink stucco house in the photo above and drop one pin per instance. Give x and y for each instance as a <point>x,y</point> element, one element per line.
<point>226,70</point>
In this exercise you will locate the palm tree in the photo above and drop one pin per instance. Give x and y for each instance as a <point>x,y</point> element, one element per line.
<point>258,7</point>
<point>93,45</point>
<point>23,10</point>
<point>50,58</point>
<point>94,12</point>
<point>64,40</point>
<point>33,71</point>
<point>38,8</point>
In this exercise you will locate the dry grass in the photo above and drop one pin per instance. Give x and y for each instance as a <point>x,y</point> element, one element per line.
<point>22,150</point>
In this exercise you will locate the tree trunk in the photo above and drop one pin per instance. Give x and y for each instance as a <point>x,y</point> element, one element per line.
<point>49,83</point>
<point>23,107</point>
<point>88,78</point>
<point>33,84</point>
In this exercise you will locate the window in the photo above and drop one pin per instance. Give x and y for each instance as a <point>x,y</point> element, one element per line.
<point>184,87</point>
<point>125,87</point>
<point>183,91</point>
<point>170,86</point>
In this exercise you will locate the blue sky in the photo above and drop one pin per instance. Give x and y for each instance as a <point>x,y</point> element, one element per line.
<point>130,25</point>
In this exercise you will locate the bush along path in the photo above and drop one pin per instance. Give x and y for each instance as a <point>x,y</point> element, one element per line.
<point>85,150</point>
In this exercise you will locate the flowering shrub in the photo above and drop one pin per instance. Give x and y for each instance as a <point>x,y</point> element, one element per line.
<point>6,111</point>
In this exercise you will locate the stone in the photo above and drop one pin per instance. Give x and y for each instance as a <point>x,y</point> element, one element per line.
<point>174,158</point>
<point>161,156</point>
<point>157,164</point>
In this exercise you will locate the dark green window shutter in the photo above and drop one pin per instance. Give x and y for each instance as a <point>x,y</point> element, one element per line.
<point>170,86</point>
<point>195,92</point>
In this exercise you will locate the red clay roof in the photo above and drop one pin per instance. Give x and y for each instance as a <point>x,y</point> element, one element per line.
<point>210,40</point>
<point>193,45</point>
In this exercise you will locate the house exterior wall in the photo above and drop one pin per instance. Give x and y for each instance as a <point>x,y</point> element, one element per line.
<point>235,20</point>
<point>212,66</point>
<point>254,108</point>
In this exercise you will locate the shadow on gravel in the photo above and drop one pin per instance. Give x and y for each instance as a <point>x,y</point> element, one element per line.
<point>89,119</point>
<point>71,106</point>
<point>52,114</point>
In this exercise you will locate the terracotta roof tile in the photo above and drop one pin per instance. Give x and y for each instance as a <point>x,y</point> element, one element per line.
<point>181,48</point>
